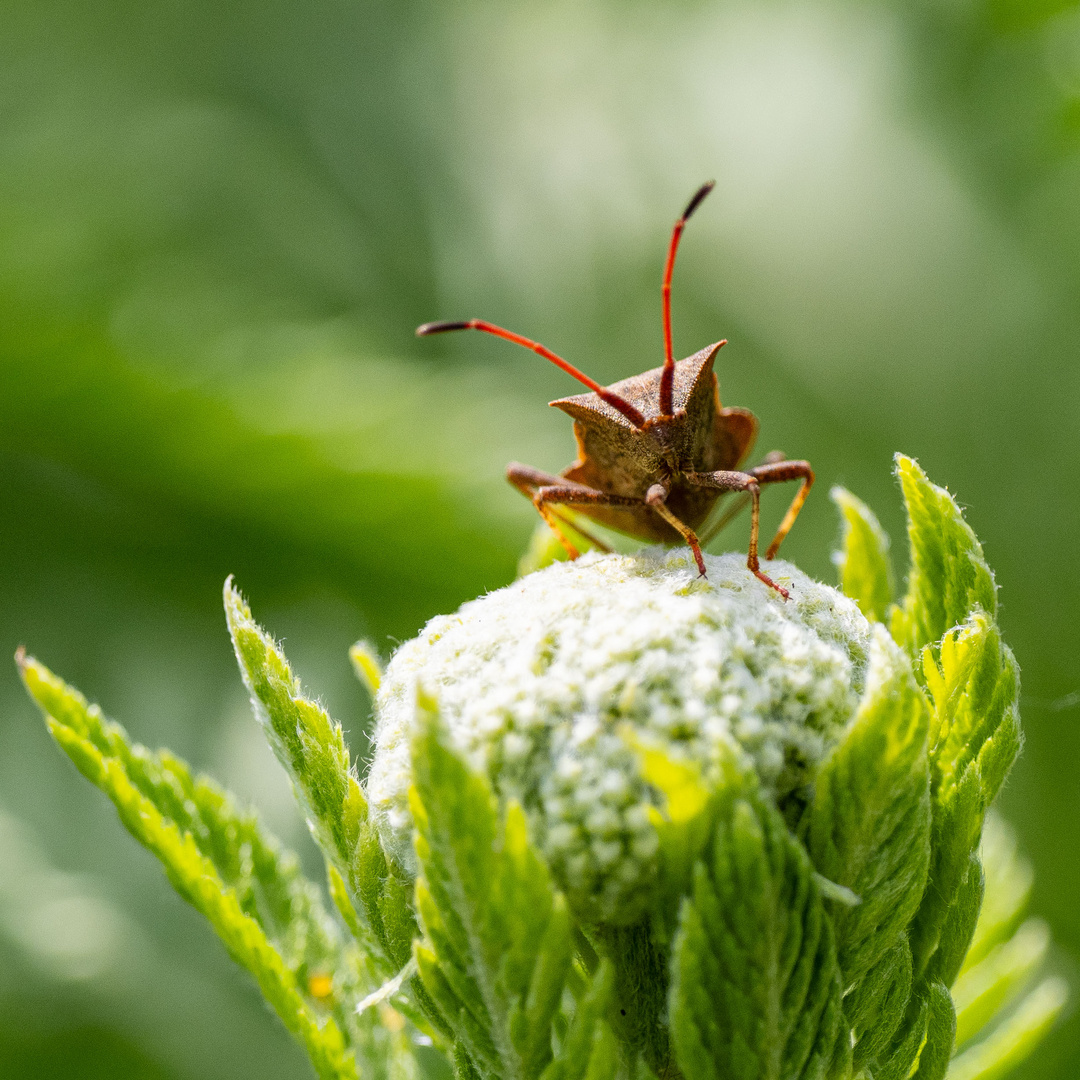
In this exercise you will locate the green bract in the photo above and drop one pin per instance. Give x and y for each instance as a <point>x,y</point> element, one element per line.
<point>623,821</point>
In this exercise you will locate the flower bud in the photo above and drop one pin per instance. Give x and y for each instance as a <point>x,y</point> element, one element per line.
<point>549,685</point>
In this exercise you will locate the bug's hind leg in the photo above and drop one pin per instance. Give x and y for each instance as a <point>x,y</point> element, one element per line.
<point>731,480</point>
<point>530,482</point>
<point>739,505</point>
<point>775,472</point>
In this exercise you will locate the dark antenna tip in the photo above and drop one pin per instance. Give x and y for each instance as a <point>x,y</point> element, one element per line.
<point>439,328</point>
<point>698,199</point>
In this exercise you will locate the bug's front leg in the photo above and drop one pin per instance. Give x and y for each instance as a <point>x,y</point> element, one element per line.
<point>656,497</point>
<point>531,482</point>
<point>733,480</point>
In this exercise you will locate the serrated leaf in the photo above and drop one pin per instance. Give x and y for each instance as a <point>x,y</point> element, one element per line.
<point>639,954</point>
<point>863,560</point>
<point>955,835</point>
<point>312,749</point>
<point>898,1063</point>
<point>684,822</point>
<point>875,1008</point>
<point>974,684</point>
<point>205,855</point>
<point>498,936</point>
<point>304,739</point>
<point>949,577</point>
<point>870,818</point>
<point>940,1034</point>
<point>959,926</point>
<point>266,879</point>
<point>589,1050</point>
<point>755,986</point>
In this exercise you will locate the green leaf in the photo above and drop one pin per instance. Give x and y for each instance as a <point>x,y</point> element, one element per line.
<point>959,926</point>
<point>217,860</point>
<point>684,825</point>
<point>589,1050</point>
<point>312,749</point>
<point>940,1034</point>
<point>870,819</point>
<point>974,684</point>
<point>366,664</point>
<point>863,561</point>
<point>497,947</point>
<point>1014,1040</point>
<point>949,577</point>
<point>755,986</point>
<point>875,1008</point>
<point>639,954</point>
<point>305,740</point>
<point>685,822</point>
<point>975,687</point>
<point>901,1059</point>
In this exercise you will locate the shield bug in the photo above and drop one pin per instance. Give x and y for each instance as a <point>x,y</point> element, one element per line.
<point>656,451</point>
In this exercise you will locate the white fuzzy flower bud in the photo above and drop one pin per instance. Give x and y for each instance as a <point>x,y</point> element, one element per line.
<point>538,681</point>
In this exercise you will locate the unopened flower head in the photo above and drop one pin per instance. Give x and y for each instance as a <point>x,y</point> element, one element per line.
<point>540,682</point>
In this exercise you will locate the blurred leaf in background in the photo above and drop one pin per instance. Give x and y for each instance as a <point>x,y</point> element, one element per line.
<point>221,223</point>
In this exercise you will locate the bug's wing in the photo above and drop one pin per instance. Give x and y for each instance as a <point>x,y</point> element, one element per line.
<point>736,431</point>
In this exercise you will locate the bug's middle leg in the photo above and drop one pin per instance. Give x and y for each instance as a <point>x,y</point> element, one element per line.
<point>775,472</point>
<point>530,482</point>
<point>733,480</point>
<point>741,503</point>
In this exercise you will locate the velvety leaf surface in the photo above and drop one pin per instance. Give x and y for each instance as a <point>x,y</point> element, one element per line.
<point>497,946</point>
<point>863,559</point>
<point>218,861</point>
<point>755,990</point>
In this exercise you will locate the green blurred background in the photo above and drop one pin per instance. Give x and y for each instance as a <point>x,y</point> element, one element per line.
<point>219,224</point>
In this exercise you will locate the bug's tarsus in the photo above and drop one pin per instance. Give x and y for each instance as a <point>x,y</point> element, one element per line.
<point>621,404</point>
<point>667,377</point>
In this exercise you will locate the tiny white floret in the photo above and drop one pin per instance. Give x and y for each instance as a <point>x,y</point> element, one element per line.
<point>539,682</point>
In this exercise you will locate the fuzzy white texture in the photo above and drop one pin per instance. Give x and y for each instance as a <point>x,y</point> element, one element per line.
<point>538,681</point>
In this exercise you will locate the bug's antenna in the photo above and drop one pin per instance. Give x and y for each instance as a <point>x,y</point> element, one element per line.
<point>667,377</point>
<point>616,402</point>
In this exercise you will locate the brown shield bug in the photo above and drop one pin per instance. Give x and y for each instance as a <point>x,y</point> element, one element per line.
<point>655,451</point>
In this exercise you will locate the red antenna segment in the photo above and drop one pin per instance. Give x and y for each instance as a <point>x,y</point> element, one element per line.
<point>616,402</point>
<point>667,376</point>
